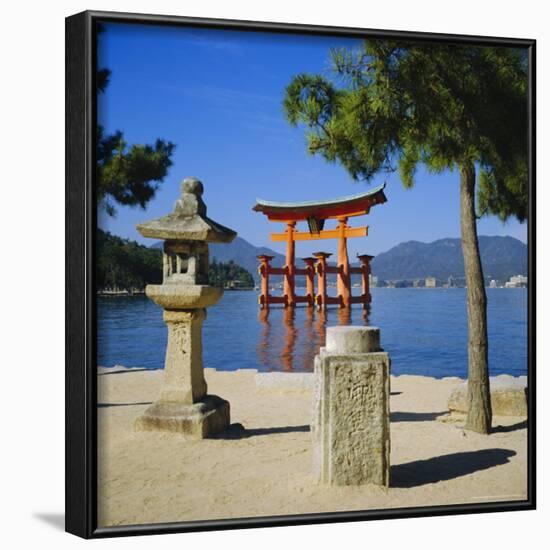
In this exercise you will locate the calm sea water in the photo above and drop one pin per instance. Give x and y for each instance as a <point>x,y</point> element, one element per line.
<point>424,330</point>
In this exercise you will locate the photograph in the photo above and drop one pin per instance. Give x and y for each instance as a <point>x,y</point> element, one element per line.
<point>312,273</point>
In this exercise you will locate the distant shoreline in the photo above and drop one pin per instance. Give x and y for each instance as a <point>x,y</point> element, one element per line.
<point>115,293</point>
<point>118,293</point>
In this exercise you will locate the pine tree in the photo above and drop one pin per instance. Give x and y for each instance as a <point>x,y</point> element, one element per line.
<point>393,105</point>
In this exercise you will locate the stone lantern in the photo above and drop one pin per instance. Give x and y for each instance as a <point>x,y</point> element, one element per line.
<point>184,405</point>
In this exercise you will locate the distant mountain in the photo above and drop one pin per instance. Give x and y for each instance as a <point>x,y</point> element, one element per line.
<point>242,253</point>
<point>501,257</point>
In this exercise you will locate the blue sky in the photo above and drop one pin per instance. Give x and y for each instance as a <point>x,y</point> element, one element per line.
<point>217,95</point>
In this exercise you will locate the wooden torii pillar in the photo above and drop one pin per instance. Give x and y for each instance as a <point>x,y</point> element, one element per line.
<point>264,272</point>
<point>290,279</point>
<point>310,280</point>
<point>321,298</point>
<point>365,272</point>
<point>344,279</point>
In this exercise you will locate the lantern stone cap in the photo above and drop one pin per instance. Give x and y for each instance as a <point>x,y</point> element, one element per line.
<point>188,221</point>
<point>178,296</point>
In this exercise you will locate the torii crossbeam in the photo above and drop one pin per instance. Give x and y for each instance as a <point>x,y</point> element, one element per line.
<point>316,213</point>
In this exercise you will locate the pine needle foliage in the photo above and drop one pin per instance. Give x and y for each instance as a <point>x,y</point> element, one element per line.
<point>392,105</point>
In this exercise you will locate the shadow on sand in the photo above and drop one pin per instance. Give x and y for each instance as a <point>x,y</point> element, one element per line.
<point>512,428</point>
<point>414,417</point>
<point>445,467</point>
<point>238,431</point>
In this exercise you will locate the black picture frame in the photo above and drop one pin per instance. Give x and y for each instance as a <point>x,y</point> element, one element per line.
<point>81,391</point>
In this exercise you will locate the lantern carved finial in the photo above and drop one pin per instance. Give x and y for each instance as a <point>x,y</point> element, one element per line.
<point>190,203</point>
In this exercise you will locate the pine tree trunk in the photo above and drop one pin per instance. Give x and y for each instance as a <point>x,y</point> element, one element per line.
<point>479,397</point>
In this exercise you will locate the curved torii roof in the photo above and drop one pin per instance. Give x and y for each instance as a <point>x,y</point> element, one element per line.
<point>348,206</point>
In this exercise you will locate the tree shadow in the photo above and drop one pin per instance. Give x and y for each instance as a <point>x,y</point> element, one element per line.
<point>106,405</point>
<point>238,431</point>
<point>446,467</point>
<point>414,417</point>
<point>511,428</point>
<point>55,520</point>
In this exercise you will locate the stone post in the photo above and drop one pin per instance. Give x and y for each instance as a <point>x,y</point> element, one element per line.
<point>351,421</point>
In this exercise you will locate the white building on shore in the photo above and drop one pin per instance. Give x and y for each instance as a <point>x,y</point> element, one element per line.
<point>517,281</point>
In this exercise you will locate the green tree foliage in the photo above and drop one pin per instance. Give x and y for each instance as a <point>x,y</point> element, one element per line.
<point>127,175</point>
<point>229,274</point>
<point>441,105</point>
<point>126,265</point>
<point>392,105</point>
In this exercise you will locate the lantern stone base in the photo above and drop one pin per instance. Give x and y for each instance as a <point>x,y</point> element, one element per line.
<point>207,417</point>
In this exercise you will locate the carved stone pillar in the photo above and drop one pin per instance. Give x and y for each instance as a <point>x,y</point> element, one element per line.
<point>351,420</point>
<point>183,371</point>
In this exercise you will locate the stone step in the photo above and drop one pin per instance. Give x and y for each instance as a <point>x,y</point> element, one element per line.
<point>508,396</point>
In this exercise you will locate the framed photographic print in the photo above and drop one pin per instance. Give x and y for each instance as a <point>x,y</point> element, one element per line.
<point>300,274</point>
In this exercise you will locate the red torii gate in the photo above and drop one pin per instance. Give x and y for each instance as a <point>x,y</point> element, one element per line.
<point>316,213</point>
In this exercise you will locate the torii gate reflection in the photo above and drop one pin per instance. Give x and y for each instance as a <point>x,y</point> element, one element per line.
<point>290,338</point>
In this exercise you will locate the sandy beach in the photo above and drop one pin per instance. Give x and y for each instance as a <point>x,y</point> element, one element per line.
<point>264,466</point>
